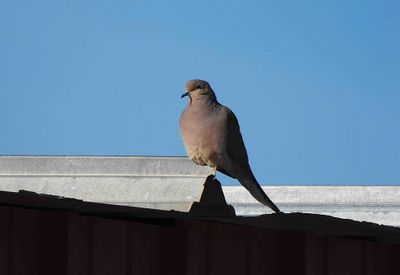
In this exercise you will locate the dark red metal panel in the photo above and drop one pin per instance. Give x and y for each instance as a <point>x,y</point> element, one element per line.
<point>24,242</point>
<point>314,255</point>
<point>39,241</point>
<point>5,240</point>
<point>263,253</point>
<point>109,246</point>
<point>143,248</point>
<point>345,257</point>
<point>291,245</point>
<point>52,246</point>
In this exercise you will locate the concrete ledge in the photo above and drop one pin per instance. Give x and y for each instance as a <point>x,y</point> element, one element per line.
<point>175,183</point>
<point>100,166</point>
<point>378,204</point>
<point>153,182</point>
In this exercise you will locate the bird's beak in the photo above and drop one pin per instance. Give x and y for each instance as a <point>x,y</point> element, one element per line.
<point>185,94</point>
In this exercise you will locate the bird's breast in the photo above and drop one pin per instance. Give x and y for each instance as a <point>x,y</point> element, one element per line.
<point>202,135</point>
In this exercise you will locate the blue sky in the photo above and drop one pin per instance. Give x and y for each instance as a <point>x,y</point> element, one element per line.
<point>315,84</point>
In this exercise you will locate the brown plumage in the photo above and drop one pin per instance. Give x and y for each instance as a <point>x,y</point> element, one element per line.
<point>211,136</point>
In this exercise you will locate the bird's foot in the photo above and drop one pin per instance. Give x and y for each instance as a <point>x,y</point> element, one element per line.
<point>214,171</point>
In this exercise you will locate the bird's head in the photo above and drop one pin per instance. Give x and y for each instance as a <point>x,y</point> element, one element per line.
<point>198,89</point>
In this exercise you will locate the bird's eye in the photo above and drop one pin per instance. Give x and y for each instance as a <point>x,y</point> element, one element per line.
<point>198,87</point>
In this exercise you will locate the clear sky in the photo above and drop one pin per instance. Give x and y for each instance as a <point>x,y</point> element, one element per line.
<point>315,84</point>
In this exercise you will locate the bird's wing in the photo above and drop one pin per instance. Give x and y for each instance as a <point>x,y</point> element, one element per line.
<point>238,156</point>
<point>235,147</point>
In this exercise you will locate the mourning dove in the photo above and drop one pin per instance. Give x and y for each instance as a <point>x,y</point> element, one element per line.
<point>211,136</point>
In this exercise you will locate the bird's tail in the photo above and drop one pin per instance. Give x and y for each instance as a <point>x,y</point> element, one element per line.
<point>251,184</point>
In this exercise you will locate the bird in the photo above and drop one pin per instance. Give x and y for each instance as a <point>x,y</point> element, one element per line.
<point>211,136</point>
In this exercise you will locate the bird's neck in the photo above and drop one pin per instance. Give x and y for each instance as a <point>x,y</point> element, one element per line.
<point>203,103</point>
